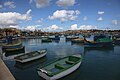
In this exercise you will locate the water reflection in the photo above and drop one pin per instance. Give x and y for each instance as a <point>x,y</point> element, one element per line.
<point>31,42</point>
<point>104,49</point>
<point>97,64</point>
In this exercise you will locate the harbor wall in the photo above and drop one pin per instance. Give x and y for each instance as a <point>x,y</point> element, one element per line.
<point>5,73</point>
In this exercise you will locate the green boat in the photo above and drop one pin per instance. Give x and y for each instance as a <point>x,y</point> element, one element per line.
<point>14,51</point>
<point>99,41</point>
<point>12,47</point>
<point>60,68</point>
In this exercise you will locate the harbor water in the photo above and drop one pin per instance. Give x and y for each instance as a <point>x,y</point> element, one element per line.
<point>97,64</point>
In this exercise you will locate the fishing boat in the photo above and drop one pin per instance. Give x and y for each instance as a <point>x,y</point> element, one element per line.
<point>116,39</point>
<point>78,40</point>
<point>60,67</point>
<point>13,51</point>
<point>12,44</point>
<point>31,56</point>
<point>13,47</point>
<point>30,64</point>
<point>70,37</point>
<point>46,40</point>
<point>99,41</point>
<point>56,37</point>
<point>88,49</point>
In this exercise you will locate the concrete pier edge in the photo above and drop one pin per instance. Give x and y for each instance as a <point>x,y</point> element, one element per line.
<point>5,73</point>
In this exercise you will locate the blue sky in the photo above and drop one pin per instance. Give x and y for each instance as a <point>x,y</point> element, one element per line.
<point>60,15</point>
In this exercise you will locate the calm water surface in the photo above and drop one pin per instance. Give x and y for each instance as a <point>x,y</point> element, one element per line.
<point>98,64</point>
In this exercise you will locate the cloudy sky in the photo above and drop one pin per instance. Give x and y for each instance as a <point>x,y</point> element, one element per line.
<point>60,15</point>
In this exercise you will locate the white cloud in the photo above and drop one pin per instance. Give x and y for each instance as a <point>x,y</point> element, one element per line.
<point>77,12</point>
<point>87,27</point>
<point>42,3</point>
<point>40,20</point>
<point>1,6</point>
<point>65,15</point>
<point>30,1</point>
<point>65,3</point>
<point>10,4</point>
<point>33,27</point>
<point>82,27</point>
<point>53,28</point>
<point>100,19</point>
<point>8,19</point>
<point>11,26</point>
<point>85,18</point>
<point>74,27</point>
<point>115,22</point>
<point>101,12</point>
<point>38,27</point>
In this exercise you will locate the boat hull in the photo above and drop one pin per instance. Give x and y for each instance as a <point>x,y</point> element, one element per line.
<point>13,47</point>
<point>46,40</point>
<point>60,75</point>
<point>80,41</point>
<point>31,59</point>
<point>9,52</point>
<point>98,45</point>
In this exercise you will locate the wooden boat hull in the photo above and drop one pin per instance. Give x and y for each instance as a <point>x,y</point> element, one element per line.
<point>79,41</point>
<point>15,49</point>
<point>55,38</point>
<point>61,74</point>
<point>31,63</point>
<point>11,47</point>
<point>46,40</point>
<point>9,52</point>
<point>31,59</point>
<point>98,45</point>
<point>116,42</point>
<point>98,49</point>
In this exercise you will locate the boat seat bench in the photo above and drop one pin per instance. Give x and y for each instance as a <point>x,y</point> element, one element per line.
<point>59,66</point>
<point>70,62</point>
<point>73,58</point>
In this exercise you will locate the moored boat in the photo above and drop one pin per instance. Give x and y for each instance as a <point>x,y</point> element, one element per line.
<point>104,49</point>
<point>69,38</point>
<point>99,41</point>
<point>13,51</point>
<point>60,67</point>
<point>31,56</point>
<point>12,45</point>
<point>78,40</point>
<point>56,37</point>
<point>30,64</point>
<point>46,40</point>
